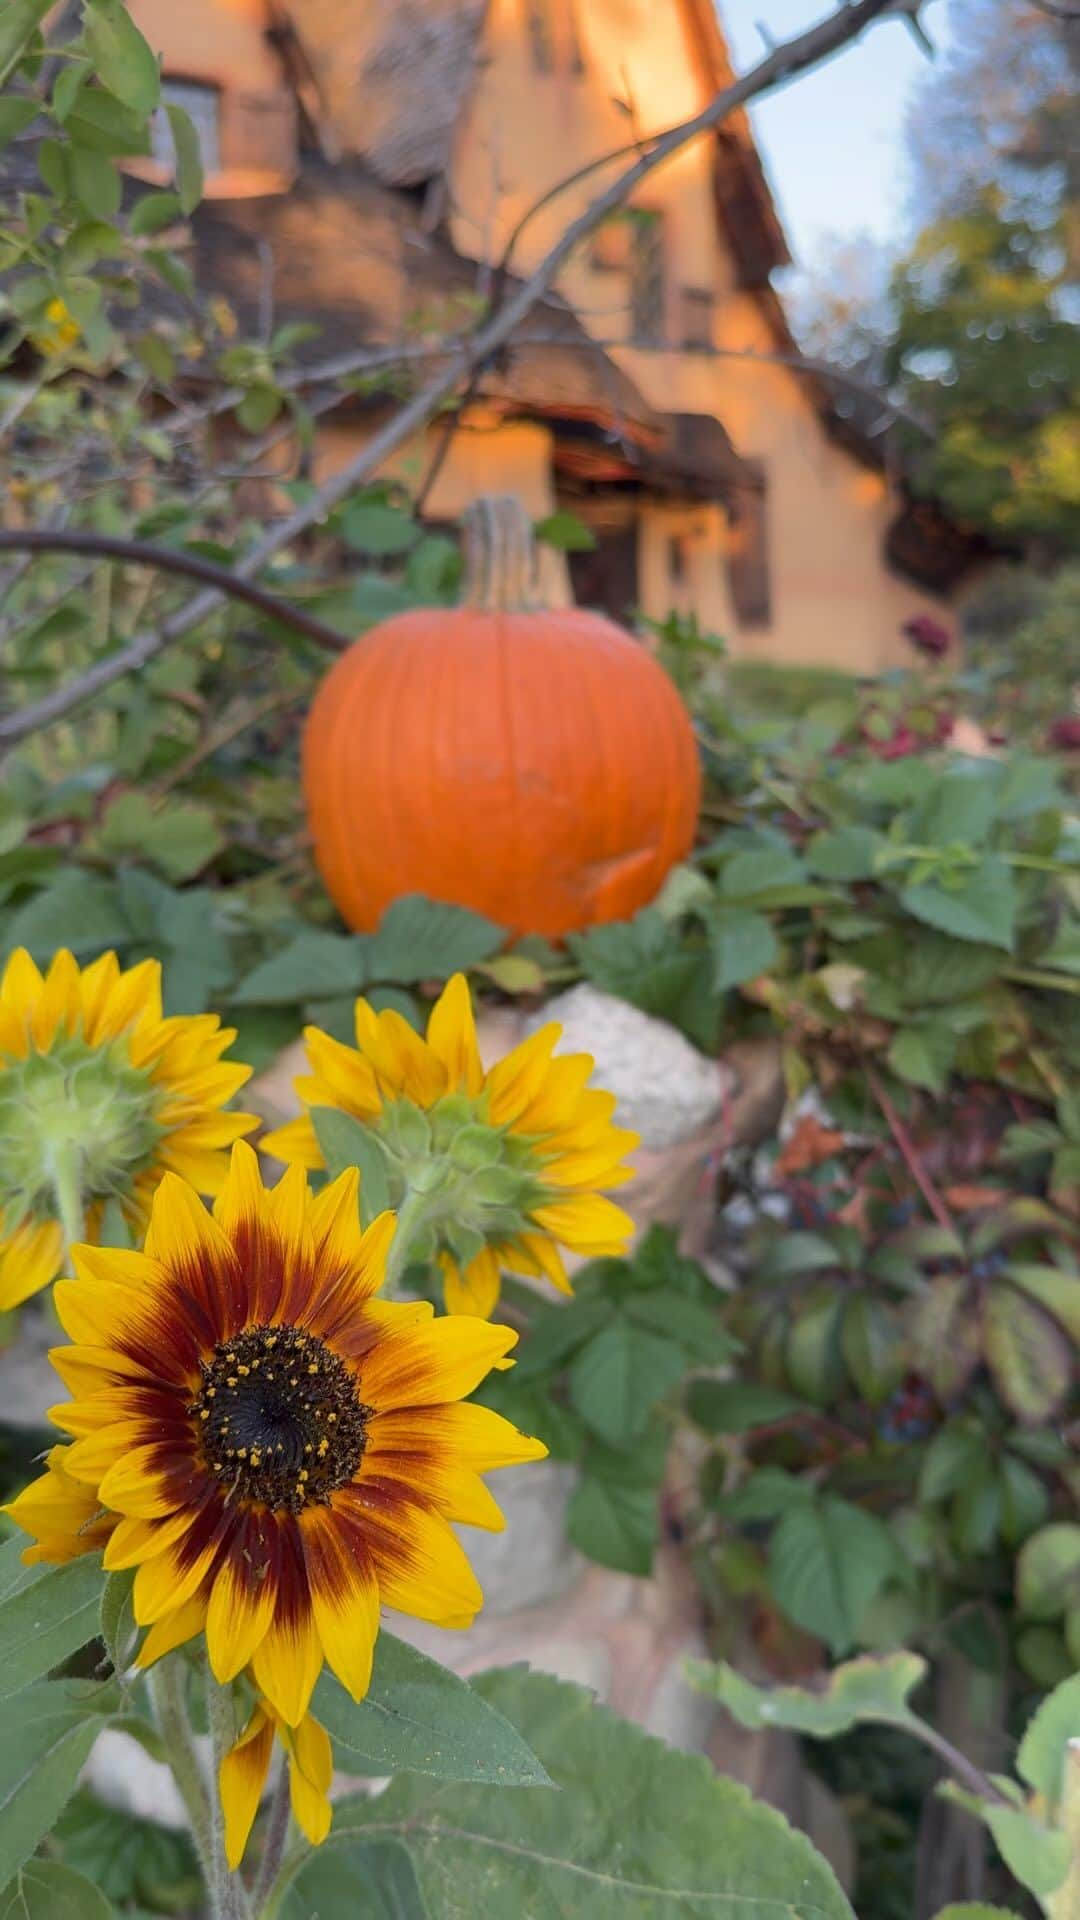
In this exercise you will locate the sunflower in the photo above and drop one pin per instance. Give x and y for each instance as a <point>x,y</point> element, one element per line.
<point>508,1161</point>
<point>99,1096</point>
<point>276,1451</point>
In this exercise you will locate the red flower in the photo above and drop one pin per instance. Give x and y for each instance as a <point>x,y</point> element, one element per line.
<point>927,636</point>
<point>1065,734</point>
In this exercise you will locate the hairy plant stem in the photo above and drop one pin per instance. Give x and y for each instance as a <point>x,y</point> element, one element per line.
<point>168,1684</point>
<point>67,1190</point>
<point>228,1899</point>
<point>277,1835</point>
<point>413,1216</point>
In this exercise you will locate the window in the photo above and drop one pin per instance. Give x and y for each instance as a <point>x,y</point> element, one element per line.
<point>541,35</point>
<point>678,559</point>
<point>612,245</point>
<point>202,104</point>
<point>647,276</point>
<point>697,319</point>
<point>749,578</point>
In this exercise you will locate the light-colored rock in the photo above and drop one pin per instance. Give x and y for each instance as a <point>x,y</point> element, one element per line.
<point>28,1383</point>
<point>666,1090</point>
<point>533,1560</point>
<point>124,1775</point>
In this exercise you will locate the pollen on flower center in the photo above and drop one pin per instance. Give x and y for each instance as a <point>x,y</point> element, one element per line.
<point>280,1420</point>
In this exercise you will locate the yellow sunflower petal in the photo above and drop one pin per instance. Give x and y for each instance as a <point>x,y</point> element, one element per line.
<point>175,1630</point>
<point>114,1000</point>
<point>451,1035</point>
<point>422,1568</point>
<point>311,1769</point>
<point>345,1602</point>
<point>467,1435</point>
<point>164,1583</point>
<point>21,982</point>
<point>181,1229</point>
<point>402,1061</point>
<point>29,1259</point>
<point>288,1205</point>
<point>433,1361</point>
<point>347,1080</point>
<point>134,1541</point>
<point>546,1257</point>
<point>133,1487</point>
<point>586,1222</point>
<point>516,1079</point>
<point>242,1602</point>
<point>58,1008</point>
<point>241,1779</point>
<point>295,1141</point>
<point>473,1289</point>
<point>286,1666</point>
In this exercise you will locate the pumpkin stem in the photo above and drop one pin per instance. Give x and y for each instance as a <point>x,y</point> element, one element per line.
<point>500,555</point>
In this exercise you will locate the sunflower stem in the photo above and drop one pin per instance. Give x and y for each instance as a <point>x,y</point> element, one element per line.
<point>412,1218</point>
<point>277,1835</point>
<point>168,1692</point>
<point>65,1170</point>
<point>228,1900</point>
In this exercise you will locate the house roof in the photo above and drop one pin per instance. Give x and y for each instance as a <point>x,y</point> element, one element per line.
<point>398,98</point>
<point>347,253</point>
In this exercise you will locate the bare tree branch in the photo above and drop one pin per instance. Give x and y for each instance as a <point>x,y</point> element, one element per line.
<point>146,553</point>
<point>780,65</point>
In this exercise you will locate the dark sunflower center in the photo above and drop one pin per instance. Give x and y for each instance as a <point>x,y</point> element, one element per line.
<point>281,1422</point>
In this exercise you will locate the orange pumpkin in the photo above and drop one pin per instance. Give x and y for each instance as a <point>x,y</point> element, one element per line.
<point>536,766</point>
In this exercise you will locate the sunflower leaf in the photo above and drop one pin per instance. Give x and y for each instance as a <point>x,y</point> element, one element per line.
<point>637,1827</point>
<point>47,1741</point>
<point>44,1890</point>
<point>46,1614</point>
<point>419,1717</point>
<point>346,1143</point>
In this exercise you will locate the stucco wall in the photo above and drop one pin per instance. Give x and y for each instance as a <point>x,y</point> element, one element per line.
<point>834,599</point>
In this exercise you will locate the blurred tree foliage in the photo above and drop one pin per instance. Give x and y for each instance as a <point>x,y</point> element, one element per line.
<point>975,326</point>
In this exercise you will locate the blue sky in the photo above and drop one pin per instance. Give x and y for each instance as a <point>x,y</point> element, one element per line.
<point>833,140</point>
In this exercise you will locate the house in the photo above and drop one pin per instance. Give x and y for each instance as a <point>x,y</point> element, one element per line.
<point>367,162</point>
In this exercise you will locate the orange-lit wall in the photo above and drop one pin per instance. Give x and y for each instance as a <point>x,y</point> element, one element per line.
<point>223,44</point>
<point>834,600</point>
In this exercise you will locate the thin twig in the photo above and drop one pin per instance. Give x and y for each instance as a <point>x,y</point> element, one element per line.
<point>795,56</point>
<point>146,553</point>
<point>909,1152</point>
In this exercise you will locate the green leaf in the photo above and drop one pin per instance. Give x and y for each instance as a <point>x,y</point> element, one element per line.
<point>617,1378</point>
<point>96,181</point>
<point>152,212</point>
<point>761,869</point>
<point>828,1560</point>
<point>924,1054</point>
<point>345,1142</point>
<point>136,1863</point>
<point>737,1406</point>
<point>1064,953</point>
<point>1024,1500</point>
<point>44,1890</point>
<point>16,112</point>
<point>638,1829</point>
<point>846,853</point>
<point>957,807</point>
<point>1042,1752</point>
<point>124,62</point>
<point>870,1689</point>
<point>872,1347</point>
<point>78,910</point>
<point>792,1253</point>
<point>417,1717</point>
<point>375,1881</point>
<point>743,945</point>
<point>188,159</point>
<point>46,1614</point>
<point>766,1495</point>
<point>615,1523</point>
<point>421,939</point>
<point>179,839</point>
<point>1028,1355</point>
<point>117,1618</point>
<point>1048,1572</point>
<point>947,1333</point>
<point>975,1910</point>
<point>312,966</point>
<point>982,908</point>
<point>47,1741</point>
<point>695,1324</point>
<point>950,1459</point>
<point>1034,1855</point>
<point>259,406</point>
<point>18,24</point>
<point>373,527</point>
<point>1055,1289</point>
<point>556,1332</point>
<point>645,961</point>
<point>565,532</point>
